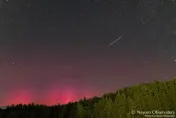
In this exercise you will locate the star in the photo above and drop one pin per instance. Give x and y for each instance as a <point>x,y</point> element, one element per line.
<point>29,5</point>
<point>165,77</point>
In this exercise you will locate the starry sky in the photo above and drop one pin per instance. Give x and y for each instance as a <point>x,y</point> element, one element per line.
<point>55,51</point>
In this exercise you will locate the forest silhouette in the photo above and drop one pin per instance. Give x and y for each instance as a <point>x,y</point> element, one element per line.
<point>127,102</point>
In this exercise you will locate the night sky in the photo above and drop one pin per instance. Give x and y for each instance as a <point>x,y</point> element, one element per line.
<point>55,51</point>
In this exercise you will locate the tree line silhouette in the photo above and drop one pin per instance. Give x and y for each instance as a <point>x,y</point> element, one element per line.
<point>157,95</point>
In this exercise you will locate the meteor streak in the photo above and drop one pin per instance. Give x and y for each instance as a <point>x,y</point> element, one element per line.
<point>115,41</point>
